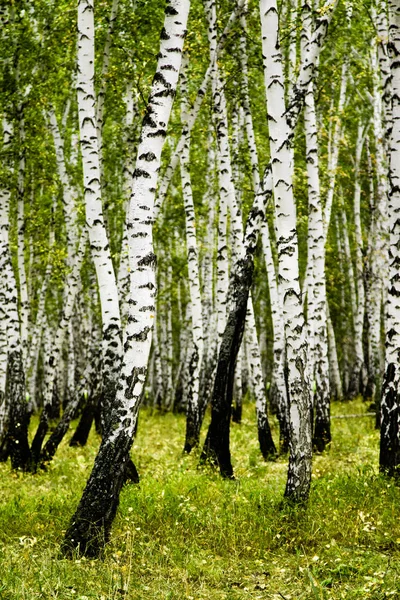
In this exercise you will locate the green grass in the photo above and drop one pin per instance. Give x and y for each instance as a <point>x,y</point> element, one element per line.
<point>186,534</point>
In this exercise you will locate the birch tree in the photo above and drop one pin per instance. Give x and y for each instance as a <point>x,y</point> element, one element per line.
<point>90,526</point>
<point>389,458</point>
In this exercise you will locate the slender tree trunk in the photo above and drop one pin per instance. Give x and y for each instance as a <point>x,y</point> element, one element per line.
<point>299,473</point>
<point>389,458</point>
<point>316,290</point>
<point>18,419</point>
<point>90,527</point>
<point>99,243</point>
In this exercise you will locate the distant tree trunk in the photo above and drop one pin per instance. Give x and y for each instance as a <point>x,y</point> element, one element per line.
<point>389,458</point>
<point>267,446</point>
<point>358,374</point>
<point>54,356</point>
<point>90,527</point>
<point>193,422</point>
<point>278,391</point>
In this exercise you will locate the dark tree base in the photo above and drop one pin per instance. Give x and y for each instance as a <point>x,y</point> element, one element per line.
<point>216,448</point>
<point>216,451</point>
<point>17,435</point>
<point>81,434</point>
<point>283,437</point>
<point>131,473</point>
<point>192,437</point>
<point>89,530</point>
<point>322,435</point>
<point>4,451</point>
<point>267,446</point>
<point>40,434</point>
<point>389,451</point>
<point>237,412</point>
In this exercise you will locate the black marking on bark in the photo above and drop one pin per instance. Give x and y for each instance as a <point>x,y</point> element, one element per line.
<point>140,173</point>
<point>164,35</point>
<point>148,260</point>
<point>148,156</point>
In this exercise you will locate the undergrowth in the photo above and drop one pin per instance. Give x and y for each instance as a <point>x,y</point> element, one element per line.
<point>184,533</point>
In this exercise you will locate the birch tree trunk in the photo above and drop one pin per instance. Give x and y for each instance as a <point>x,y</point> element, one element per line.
<point>18,418</point>
<point>99,243</point>
<point>90,527</point>
<point>389,458</point>
<point>316,290</point>
<point>299,473</point>
<point>357,377</point>
<point>278,391</point>
<point>193,422</point>
<point>242,274</point>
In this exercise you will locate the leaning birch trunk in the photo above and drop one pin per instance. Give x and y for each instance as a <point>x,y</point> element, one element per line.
<point>242,271</point>
<point>216,446</point>
<point>299,473</point>
<point>90,527</point>
<point>389,458</point>
<point>99,244</point>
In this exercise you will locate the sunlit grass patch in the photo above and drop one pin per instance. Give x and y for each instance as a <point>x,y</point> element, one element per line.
<point>185,533</point>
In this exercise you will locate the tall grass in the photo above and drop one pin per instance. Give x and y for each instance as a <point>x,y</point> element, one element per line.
<point>184,533</point>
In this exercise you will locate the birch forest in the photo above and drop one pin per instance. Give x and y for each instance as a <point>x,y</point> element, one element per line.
<point>199,228</point>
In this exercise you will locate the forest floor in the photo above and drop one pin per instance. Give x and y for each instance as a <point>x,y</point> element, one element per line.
<point>184,533</point>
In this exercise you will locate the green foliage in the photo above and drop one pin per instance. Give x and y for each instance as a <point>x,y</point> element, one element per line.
<point>185,533</point>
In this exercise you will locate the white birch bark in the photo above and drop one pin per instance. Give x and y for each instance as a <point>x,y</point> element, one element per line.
<point>224,177</point>
<point>22,279</point>
<point>193,411</point>
<point>167,177</point>
<point>99,244</point>
<point>377,259</point>
<point>316,290</point>
<point>14,413</point>
<point>299,474</point>
<point>103,79</point>
<point>357,379</point>
<point>140,217</point>
<point>278,391</point>
<point>389,459</point>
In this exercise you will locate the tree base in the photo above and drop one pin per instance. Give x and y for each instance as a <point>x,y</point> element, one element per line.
<point>90,527</point>
<point>322,435</point>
